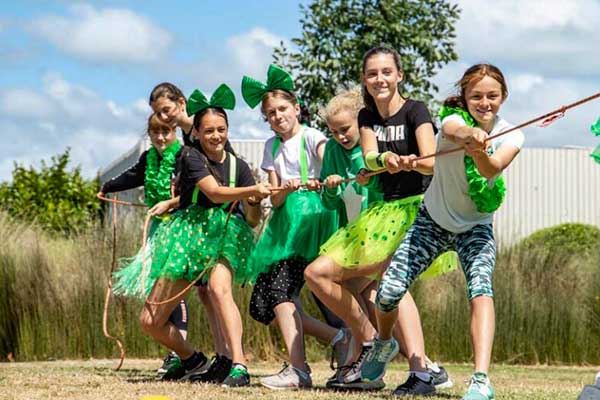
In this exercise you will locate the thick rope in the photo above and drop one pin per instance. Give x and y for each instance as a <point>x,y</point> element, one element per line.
<point>109,288</point>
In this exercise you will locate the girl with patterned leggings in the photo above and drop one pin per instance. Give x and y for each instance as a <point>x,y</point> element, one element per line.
<point>457,213</point>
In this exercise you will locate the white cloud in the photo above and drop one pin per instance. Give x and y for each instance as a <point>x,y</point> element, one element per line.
<point>108,35</point>
<point>555,37</point>
<point>36,125</point>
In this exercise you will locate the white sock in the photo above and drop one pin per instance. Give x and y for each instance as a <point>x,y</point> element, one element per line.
<point>433,366</point>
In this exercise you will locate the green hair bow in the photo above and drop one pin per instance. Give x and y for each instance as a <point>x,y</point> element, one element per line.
<point>277,78</point>
<point>223,97</point>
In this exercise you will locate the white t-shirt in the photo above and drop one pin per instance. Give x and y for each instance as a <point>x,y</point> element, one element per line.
<point>447,198</point>
<point>287,159</point>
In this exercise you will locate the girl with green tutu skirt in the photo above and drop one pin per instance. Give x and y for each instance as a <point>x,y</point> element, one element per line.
<point>392,130</point>
<point>154,170</point>
<point>298,226</point>
<point>207,238</point>
<point>169,104</point>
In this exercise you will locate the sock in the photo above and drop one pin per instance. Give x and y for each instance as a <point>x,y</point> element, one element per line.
<point>240,366</point>
<point>338,336</point>
<point>433,366</point>
<point>195,360</point>
<point>385,341</point>
<point>424,376</point>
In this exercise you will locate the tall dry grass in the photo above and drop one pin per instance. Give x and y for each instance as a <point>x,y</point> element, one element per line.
<point>52,291</point>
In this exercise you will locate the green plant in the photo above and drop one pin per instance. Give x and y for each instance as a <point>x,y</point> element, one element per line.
<point>57,199</point>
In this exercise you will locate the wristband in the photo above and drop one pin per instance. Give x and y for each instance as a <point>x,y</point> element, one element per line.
<point>376,161</point>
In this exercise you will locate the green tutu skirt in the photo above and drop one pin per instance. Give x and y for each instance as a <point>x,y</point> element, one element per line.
<point>377,233</point>
<point>297,229</point>
<point>127,280</point>
<point>187,245</point>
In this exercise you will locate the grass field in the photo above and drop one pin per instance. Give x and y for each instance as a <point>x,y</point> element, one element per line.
<point>96,380</point>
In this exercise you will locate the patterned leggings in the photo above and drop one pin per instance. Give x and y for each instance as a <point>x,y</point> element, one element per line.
<point>424,241</point>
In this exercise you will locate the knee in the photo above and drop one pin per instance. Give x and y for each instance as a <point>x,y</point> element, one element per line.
<point>219,292</point>
<point>147,322</point>
<point>315,272</point>
<point>389,296</point>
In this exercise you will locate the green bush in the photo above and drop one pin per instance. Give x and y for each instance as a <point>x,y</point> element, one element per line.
<point>565,239</point>
<point>55,198</point>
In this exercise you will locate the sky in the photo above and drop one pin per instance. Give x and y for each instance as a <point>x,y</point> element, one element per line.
<point>78,73</point>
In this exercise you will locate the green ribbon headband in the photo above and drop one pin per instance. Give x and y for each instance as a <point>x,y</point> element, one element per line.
<point>253,91</point>
<point>223,97</point>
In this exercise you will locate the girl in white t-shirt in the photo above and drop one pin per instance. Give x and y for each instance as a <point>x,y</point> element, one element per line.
<point>456,214</point>
<point>298,226</point>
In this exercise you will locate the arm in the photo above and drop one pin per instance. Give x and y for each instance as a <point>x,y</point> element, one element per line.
<point>490,166</point>
<point>426,143</point>
<point>223,194</point>
<point>252,212</point>
<point>163,207</point>
<point>278,198</point>
<point>131,178</point>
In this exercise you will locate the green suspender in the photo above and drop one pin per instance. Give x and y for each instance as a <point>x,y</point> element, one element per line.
<point>232,173</point>
<point>303,157</point>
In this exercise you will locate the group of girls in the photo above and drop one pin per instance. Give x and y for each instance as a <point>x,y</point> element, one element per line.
<point>358,217</point>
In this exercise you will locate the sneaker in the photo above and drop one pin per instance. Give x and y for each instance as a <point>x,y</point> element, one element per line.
<point>373,368</point>
<point>288,378</point>
<point>414,386</point>
<point>341,348</point>
<point>440,377</point>
<point>175,370</point>
<point>198,369</point>
<point>480,388</point>
<point>169,359</point>
<point>348,377</point>
<point>237,377</point>
<point>219,369</point>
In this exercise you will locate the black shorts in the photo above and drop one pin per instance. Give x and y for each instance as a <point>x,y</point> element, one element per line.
<point>282,284</point>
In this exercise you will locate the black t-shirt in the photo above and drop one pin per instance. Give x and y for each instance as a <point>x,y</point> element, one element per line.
<point>136,175</point>
<point>194,167</point>
<point>398,134</point>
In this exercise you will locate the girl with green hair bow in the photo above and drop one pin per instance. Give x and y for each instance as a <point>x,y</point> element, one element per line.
<point>207,238</point>
<point>299,223</point>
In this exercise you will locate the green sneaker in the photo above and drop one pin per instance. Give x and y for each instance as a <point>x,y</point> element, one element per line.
<point>480,388</point>
<point>237,377</point>
<point>175,370</point>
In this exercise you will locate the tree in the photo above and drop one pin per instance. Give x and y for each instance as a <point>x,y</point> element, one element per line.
<point>55,198</point>
<point>336,34</point>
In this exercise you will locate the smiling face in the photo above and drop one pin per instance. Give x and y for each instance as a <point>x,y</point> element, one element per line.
<point>281,114</point>
<point>344,129</point>
<point>212,132</point>
<point>381,76</point>
<point>484,99</point>
<point>161,135</point>
<point>167,110</point>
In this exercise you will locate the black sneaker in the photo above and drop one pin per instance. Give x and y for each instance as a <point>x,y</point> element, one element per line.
<point>237,377</point>
<point>216,373</point>
<point>414,386</point>
<point>169,360</point>
<point>441,380</point>
<point>198,369</point>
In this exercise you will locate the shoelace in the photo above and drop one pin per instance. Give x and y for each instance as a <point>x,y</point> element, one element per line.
<point>356,364</point>
<point>411,382</point>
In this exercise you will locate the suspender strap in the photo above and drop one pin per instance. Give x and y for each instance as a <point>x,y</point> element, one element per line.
<point>232,176</point>
<point>303,156</point>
